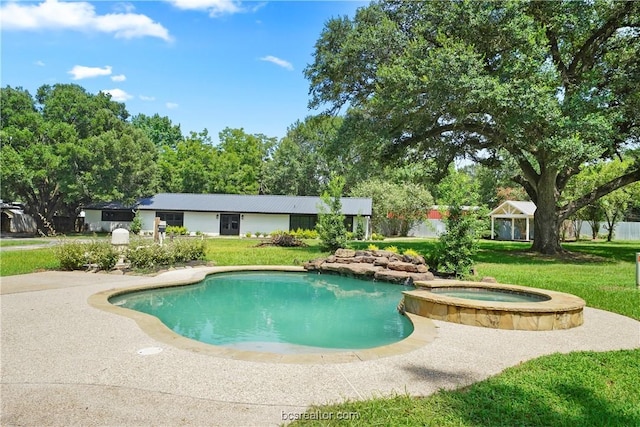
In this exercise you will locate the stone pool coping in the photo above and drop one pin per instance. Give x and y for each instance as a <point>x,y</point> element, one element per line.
<point>560,311</point>
<point>424,330</point>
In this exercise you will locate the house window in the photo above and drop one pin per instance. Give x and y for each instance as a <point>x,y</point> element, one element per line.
<point>304,222</point>
<point>172,218</point>
<point>118,216</point>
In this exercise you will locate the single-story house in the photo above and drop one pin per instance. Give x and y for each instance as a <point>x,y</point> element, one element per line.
<point>512,220</point>
<point>224,214</point>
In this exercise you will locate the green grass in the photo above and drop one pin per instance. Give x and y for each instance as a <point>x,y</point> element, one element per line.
<point>577,389</point>
<point>27,261</point>
<point>4,243</point>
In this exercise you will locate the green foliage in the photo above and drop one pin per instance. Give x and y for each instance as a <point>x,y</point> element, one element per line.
<point>458,245</point>
<point>411,253</point>
<point>360,230</point>
<point>330,226</point>
<point>74,255</point>
<point>176,230</point>
<point>136,225</point>
<point>179,251</point>
<point>305,234</point>
<point>186,250</point>
<point>544,87</point>
<point>372,247</point>
<point>65,147</point>
<point>376,236</point>
<point>248,234</point>
<point>393,249</point>
<point>397,207</point>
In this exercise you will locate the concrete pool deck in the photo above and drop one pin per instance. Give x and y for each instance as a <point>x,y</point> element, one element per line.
<point>65,362</point>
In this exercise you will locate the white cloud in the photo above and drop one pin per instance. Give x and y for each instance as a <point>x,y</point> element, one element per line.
<point>79,16</point>
<point>118,95</point>
<point>213,7</point>
<point>147,98</point>
<point>171,105</point>
<point>39,63</point>
<point>280,62</point>
<point>119,78</point>
<point>81,72</point>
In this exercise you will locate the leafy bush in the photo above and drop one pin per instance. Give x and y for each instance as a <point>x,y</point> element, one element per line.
<point>376,236</point>
<point>350,235</point>
<point>393,249</point>
<point>372,247</point>
<point>304,234</point>
<point>458,245</point>
<point>146,257</point>
<point>411,252</point>
<point>330,226</point>
<point>185,250</point>
<point>136,224</point>
<point>176,230</point>
<point>72,255</point>
<point>360,231</point>
<point>103,254</point>
<point>80,255</point>
<point>248,234</point>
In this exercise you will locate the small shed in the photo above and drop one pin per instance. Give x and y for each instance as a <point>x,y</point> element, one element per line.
<point>512,220</point>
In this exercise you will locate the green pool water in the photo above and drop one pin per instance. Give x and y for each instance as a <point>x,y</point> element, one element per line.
<point>279,312</point>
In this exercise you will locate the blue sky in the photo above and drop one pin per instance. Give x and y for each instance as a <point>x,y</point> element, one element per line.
<point>202,63</point>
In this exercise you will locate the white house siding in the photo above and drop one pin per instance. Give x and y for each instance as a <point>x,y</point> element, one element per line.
<point>204,222</point>
<point>147,218</point>
<point>93,220</point>
<point>264,223</point>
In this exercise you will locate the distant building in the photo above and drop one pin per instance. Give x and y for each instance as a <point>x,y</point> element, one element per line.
<point>15,220</point>
<point>512,220</point>
<point>223,214</point>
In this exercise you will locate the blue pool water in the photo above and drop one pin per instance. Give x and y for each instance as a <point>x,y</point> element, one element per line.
<point>279,312</point>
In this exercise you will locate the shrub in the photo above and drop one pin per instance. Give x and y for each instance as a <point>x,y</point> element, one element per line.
<point>376,236</point>
<point>176,230</point>
<point>350,235</point>
<point>136,224</point>
<point>185,250</point>
<point>79,255</point>
<point>393,249</point>
<point>248,234</point>
<point>72,255</point>
<point>411,252</point>
<point>372,247</point>
<point>330,226</point>
<point>360,231</point>
<point>102,254</point>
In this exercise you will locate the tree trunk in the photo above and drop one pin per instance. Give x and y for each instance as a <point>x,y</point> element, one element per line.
<point>546,221</point>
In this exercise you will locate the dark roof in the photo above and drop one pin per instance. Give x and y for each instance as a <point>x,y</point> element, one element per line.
<point>249,203</point>
<point>109,206</point>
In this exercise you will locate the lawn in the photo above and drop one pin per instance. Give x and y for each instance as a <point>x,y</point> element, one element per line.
<point>577,389</point>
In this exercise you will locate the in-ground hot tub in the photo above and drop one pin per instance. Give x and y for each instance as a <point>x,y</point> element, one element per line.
<point>495,305</point>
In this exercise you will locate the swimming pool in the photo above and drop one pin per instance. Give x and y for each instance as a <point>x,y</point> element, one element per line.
<point>278,312</point>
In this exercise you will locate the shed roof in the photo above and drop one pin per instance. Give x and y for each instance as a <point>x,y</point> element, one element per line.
<point>514,208</point>
<point>249,203</point>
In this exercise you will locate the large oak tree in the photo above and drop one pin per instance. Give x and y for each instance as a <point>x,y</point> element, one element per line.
<point>546,86</point>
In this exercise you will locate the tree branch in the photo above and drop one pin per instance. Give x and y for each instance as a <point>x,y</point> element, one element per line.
<point>619,182</point>
<point>585,56</point>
